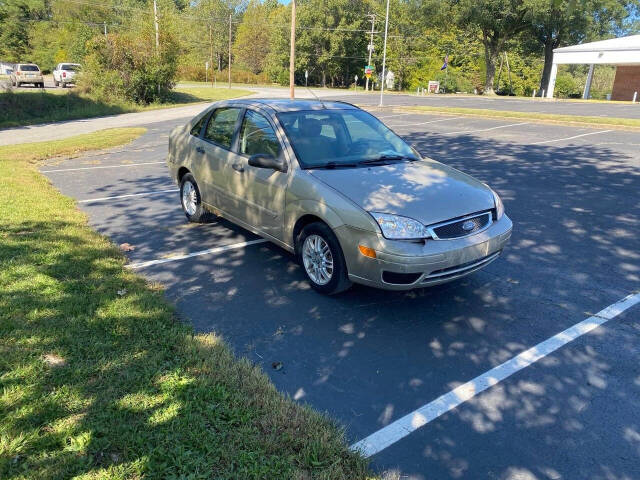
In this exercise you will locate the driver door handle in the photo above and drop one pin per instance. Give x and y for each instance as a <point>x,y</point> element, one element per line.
<point>238,167</point>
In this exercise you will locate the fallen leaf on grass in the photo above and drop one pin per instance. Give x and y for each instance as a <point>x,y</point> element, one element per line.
<point>53,360</point>
<point>122,292</point>
<point>127,247</point>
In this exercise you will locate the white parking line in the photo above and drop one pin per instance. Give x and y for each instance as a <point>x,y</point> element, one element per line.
<point>396,115</point>
<point>486,129</point>
<point>422,123</point>
<point>233,246</point>
<point>102,166</point>
<point>115,197</point>
<point>569,138</point>
<point>402,427</point>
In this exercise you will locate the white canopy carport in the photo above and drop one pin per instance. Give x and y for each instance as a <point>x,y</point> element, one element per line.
<point>617,51</point>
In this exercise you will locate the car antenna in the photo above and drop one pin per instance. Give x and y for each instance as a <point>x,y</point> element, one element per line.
<point>316,97</point>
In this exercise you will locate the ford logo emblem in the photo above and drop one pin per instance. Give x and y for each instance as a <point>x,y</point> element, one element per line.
<point>468,226</point>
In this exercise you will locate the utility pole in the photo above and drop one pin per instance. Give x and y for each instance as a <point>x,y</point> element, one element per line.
<point>155,20</point>
<point>384,52</point>
<point>211,54</point>
<point>230,17</point>
<point>292,54</point>
<point>372,16</point>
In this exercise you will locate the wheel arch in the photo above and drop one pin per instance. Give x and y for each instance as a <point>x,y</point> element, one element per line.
<point>182,171</point>
<point>303,221</point>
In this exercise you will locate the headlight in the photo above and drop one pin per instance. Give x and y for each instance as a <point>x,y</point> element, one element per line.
<point>499,205</point>
<point>395,227</point>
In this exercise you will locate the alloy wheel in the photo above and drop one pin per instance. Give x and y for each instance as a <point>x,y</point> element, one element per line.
<point>317,259</point>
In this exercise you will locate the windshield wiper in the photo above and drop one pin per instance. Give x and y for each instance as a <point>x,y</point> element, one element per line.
<point>387,158</point>
<point>331,165</point>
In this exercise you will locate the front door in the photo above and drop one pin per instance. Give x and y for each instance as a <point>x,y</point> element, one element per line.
<point>257,194</point>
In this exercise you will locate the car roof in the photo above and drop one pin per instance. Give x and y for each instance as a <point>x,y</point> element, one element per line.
<point>287,105</point>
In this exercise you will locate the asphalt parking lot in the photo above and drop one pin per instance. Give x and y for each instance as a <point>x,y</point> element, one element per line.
<point>517,104</point>
<point>369,357</point>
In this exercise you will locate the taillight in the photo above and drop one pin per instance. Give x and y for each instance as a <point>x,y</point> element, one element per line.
<point>64,74</point>
<point>18,72</point>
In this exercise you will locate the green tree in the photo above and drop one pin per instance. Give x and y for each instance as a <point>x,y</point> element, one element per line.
<point>331,40</point>
<point>556,23</point>
<point>252,40</point>
<point>276,63</point>
<point>498,21</point>
<point>15,18</point>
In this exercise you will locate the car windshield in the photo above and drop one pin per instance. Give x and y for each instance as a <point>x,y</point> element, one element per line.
<point>70,68</point>
<point>29,68</point>
<point>342,138</point>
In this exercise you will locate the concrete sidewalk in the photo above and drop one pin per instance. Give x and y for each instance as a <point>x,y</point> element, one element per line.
<point>58,130</point>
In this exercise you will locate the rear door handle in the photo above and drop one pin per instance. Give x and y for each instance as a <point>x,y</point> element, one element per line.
<point>199,149</point>
<point>238,167</point>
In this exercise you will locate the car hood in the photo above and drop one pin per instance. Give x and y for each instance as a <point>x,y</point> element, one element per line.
<point>425,190</point>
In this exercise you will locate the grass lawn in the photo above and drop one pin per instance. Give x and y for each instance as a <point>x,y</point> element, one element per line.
<point>98,378</point>
<point>631,123</point>
<point>24,107</point>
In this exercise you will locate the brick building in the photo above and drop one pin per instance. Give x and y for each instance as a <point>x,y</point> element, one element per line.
<point>626,83</point>
<point>622,52</point>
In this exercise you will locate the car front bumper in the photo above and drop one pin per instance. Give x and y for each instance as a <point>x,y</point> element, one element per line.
<point>404,265</point>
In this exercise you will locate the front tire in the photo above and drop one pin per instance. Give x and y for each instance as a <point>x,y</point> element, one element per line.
<point>191,200</point>
<point>321,257</point>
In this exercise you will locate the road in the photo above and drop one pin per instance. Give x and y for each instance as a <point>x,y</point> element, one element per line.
<point>369,357</point>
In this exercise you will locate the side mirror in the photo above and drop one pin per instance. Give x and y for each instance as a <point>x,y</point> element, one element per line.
<point>265,160</point>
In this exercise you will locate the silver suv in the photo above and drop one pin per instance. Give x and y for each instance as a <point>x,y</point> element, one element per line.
<point>26,73</point>
<point>333,185</point>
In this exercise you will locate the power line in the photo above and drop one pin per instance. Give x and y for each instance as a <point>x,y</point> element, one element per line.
<point>68,22</point>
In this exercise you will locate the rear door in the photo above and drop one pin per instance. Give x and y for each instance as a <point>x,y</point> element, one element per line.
<point>216,153</point>
<point>257,194</point>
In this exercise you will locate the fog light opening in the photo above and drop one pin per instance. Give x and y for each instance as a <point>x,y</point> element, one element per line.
<point>366,251</point>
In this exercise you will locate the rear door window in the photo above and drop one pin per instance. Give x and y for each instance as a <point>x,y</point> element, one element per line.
<point>222,126</point>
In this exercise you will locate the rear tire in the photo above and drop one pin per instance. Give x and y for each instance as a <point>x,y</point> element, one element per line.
<point>191,200</point>
<point>55,83</point>
<point>321,257</point>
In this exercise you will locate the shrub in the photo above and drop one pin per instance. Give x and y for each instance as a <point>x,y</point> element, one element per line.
<point>122,67</point>
<point>567,86</point>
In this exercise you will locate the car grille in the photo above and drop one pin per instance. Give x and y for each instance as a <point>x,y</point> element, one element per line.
<point>462,227</point>
<point>461,269</point>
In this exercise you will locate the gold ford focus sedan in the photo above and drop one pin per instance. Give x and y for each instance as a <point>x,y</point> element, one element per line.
<point>332,184</point>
